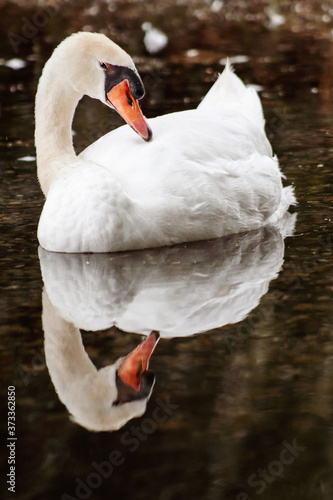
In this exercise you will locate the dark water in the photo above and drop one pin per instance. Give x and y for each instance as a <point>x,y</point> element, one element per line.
<point>244,409</point>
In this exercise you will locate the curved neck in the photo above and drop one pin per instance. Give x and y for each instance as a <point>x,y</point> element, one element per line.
<point>66,358</point>
<point>54,110</point>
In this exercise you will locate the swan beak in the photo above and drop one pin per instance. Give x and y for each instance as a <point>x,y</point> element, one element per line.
<point>121,99</point>
<point>136,363</point>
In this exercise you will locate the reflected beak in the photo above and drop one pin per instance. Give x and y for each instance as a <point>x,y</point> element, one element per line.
<point>121,99</point>
<point>136,363</point>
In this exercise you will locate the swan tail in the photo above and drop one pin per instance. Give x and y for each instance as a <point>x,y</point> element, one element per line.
<point>281,218</point>
<point>229,92</point>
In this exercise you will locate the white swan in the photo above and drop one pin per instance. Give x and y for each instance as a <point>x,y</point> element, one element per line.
<point>207,173</point>
<point>103,399</point>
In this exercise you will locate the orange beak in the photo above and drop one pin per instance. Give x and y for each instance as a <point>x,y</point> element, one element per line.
<point>136,363</point>
<point>120,97</point>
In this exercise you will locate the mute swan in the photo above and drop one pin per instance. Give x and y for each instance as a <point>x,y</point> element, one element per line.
<point>207,173</point>
<point>99,400</point>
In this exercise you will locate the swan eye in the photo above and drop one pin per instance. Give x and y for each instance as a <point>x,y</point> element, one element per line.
<point>103,65</point>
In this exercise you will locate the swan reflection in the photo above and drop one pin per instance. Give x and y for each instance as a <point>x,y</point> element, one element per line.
<point>102,399</point>
<point>176,291</point>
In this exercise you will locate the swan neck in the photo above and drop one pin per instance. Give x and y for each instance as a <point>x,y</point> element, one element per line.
<point>54,110</point>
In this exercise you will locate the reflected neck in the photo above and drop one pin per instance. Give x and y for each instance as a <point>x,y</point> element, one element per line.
<point>66,357</point>
<point>54,110</point>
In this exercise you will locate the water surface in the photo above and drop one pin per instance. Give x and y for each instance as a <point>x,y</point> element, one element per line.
<point>244,408</point>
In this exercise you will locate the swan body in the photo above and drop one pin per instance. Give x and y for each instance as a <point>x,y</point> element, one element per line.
<point>206,173</point>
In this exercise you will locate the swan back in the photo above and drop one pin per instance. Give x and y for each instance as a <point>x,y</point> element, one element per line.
<point>229,92</point>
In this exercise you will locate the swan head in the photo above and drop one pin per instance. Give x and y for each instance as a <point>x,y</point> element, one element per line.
<point>93,65</point>
<point>110,397</point>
